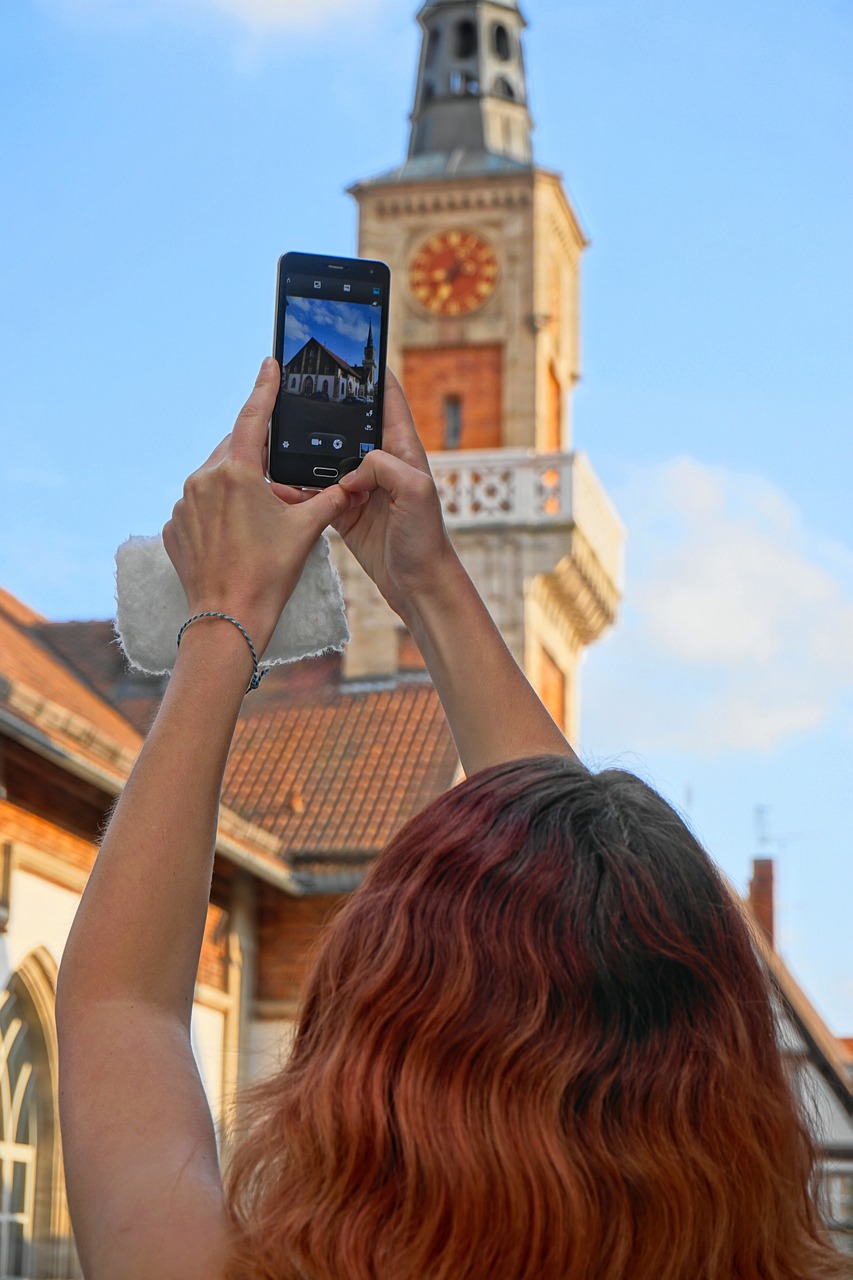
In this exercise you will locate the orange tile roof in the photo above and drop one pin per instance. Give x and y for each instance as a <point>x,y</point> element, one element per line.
<point>334,769</point>
<point>40,690</point>
<point>17,610</point>
<point>91,650</point>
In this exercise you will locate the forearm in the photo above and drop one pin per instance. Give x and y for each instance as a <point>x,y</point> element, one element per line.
<point>138,931</point>
<point>493,712</point>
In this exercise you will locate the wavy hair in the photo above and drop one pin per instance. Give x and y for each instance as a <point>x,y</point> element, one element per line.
<point>535,1045</point>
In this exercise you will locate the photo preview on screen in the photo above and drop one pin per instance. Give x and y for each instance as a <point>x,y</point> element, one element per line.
<point>329,371</point>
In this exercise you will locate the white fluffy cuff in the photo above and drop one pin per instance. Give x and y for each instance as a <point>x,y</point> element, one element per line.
<point>152,608</point>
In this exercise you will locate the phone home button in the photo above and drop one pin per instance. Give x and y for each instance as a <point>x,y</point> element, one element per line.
<point>326,472</point>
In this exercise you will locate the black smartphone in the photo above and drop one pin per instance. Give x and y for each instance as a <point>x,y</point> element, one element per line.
<point>331,337</point>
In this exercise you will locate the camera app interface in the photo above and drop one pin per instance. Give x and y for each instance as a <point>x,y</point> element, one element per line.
<point>328,405</point>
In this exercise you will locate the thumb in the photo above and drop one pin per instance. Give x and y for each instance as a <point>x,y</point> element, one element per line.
<point>323,508</point>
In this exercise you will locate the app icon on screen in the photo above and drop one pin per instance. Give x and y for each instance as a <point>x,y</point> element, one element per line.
<point>365,448</point>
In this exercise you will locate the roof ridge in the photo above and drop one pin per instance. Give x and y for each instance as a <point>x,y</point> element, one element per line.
<point>41,634</point>
<point>17,611</point>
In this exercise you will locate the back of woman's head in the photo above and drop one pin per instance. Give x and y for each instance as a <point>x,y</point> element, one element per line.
<point>536,1045</point>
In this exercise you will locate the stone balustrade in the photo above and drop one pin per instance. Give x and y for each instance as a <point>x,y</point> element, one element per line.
<point>517,487</point>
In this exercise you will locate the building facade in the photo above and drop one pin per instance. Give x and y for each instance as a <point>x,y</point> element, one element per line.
<point>315,370</point>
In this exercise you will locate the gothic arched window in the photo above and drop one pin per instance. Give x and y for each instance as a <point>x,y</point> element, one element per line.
<point>503,88</point>
<point>18,1138</point>
<point>36,1238</point>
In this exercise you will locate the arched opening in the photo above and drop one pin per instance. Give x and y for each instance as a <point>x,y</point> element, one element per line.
<point>428,91</point>
<point>501,43</point>
<point>308,386</point>
<point>18,1139</point>
<point>452,422</point>
<point>464,85</point>
<point>466,39</point>
<point>503,89</point>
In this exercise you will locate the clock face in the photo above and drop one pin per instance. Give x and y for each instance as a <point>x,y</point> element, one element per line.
<point>453,273</point>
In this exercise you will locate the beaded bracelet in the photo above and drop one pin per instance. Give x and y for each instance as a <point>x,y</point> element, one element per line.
<point>259,672</point>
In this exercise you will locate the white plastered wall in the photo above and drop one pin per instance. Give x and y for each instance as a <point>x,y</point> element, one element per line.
<point>40,915</point>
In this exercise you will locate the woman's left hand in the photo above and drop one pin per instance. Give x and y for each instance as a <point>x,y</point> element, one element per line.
<point>238,548</point>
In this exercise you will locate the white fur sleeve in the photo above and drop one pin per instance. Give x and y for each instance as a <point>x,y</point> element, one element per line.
<point>152,607</point>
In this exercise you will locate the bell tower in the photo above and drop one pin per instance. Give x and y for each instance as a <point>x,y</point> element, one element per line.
<point>471,92</point>
<point>485,249</point>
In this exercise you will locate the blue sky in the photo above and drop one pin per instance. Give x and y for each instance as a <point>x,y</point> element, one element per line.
<point>157,158</point>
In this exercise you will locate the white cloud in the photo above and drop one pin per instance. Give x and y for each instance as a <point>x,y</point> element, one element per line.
<point>737,630</point>
<point>297,328</point>
<point>291,14</point>
<point>256,15</point>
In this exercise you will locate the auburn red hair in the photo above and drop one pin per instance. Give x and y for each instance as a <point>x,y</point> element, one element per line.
<point>535,1045</point>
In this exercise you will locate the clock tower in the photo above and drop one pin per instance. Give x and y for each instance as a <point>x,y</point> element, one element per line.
<point>484,250</point>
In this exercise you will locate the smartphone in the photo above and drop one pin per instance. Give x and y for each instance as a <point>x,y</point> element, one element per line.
<point>331,338</point>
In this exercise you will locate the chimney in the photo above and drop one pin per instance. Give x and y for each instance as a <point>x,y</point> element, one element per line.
<point>761,895</point>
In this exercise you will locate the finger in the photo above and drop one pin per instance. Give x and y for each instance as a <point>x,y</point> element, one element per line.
<point>290,495</point>
<point>399,434</point>
<point>322,509</point>
<point>250,430</point>
<point>381,470</point>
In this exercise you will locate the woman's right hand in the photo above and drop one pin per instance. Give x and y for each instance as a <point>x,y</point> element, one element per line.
<point>398,534</point>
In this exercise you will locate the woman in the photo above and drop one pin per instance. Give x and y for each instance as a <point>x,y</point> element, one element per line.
<point>536,1044</point>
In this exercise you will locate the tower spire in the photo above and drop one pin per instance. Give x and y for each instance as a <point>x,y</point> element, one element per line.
<point>471,95</point>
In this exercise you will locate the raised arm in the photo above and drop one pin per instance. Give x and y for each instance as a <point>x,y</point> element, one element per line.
<point>400,539</point>
<point>138,1139</point>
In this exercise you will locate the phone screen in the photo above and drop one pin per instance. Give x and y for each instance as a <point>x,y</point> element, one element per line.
<point>330,341</point>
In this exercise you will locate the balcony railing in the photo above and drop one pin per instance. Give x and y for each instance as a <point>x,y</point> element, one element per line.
<point>482,487</point>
